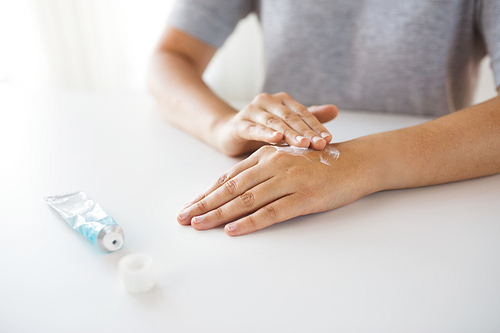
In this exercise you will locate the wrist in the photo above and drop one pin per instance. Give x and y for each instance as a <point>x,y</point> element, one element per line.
<point>226,139</point>
<point>219,132</point>
<point>367,161</point>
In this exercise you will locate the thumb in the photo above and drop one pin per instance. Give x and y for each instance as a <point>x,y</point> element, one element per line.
<point>324,113</point>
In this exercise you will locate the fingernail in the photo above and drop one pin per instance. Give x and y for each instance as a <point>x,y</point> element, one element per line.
<point>198,219</point>
<point>299,138</point>
<point>183,214</point>
<point>276,133</point>
<point>316,139</point>
<point>231,227</point>
<point>324,134</point>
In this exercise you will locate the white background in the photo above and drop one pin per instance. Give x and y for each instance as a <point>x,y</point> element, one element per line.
<point>413,260</point>
<point>104,45</point>
<point>417,260</point>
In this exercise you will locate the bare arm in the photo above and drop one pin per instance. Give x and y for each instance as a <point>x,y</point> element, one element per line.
<point>461,145</point>
<point>272,186</point>
<point>175,80</point>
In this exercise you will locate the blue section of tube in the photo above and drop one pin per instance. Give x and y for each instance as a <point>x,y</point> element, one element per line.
<point>91,229</point>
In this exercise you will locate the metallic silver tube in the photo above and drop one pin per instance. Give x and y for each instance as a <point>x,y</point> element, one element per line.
<point>88,218</point>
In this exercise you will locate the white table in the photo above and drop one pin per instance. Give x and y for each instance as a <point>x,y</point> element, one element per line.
<point>419,260</point>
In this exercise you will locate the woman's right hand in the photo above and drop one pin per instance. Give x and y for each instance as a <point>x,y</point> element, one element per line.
<point>272,119</point>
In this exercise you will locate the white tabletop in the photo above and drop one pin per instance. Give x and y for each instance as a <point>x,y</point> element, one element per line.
<point>425,259</point>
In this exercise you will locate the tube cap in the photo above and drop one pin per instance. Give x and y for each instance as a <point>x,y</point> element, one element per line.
<point>110,238</point>
<point>136,273</point>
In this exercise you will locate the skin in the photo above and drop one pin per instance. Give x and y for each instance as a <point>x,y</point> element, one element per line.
<point>272,186</point>
<point>175,79</point>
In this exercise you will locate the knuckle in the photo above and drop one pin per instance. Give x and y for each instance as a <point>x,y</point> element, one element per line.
<point>296,170</point>
<point>264,150</point>
<point>251,222</point>
<point>277,156</point>
<point>258,131</point>
<point>248,199</point>
<point>290,116</point>
<point>201,205</point>
<point>230,186</point>
<point>252,130</point>
<point>262,97</point>
<point>303,112</point>
<point>219,213</point>
<point>222,179</point>
<point>271,213</point>
<point>273,121</point>
<point>306,193</point>
<point>282,95</point>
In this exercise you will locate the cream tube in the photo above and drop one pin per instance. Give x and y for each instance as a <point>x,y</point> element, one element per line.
<point>88,218</point>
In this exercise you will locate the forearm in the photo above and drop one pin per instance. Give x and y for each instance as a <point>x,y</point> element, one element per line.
<point>462,145</point>
<point>183,98</point>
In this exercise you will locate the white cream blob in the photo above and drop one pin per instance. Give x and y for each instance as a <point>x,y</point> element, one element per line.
<point>325,156</point>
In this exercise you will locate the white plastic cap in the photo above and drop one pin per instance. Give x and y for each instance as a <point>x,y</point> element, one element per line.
<point>136,273</point>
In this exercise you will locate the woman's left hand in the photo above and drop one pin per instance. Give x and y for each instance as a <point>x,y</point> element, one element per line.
<point>277,183</point>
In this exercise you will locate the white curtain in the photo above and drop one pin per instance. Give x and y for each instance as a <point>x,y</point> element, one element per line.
<point>104,45</point>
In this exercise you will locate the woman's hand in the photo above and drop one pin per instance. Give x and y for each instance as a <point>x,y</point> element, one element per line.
<point>278,183</point>
<point>271,119</point>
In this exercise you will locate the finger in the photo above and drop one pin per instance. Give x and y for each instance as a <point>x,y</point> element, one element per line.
<point>231,189</point>
<point>252,131</point>
<point>297,123</point>
<point>320,136</point>
<point>270,112</point>
<point>248,202</point>
<point>184,216</point>
<point>277,211</point>
<point>324,113</point>
<point>274,122</point>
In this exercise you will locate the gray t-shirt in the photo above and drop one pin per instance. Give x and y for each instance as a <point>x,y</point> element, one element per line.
<point>408,56</point>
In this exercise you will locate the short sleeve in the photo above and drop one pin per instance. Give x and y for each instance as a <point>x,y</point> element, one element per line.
<point>490,29</point>
<point>210,21</point>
